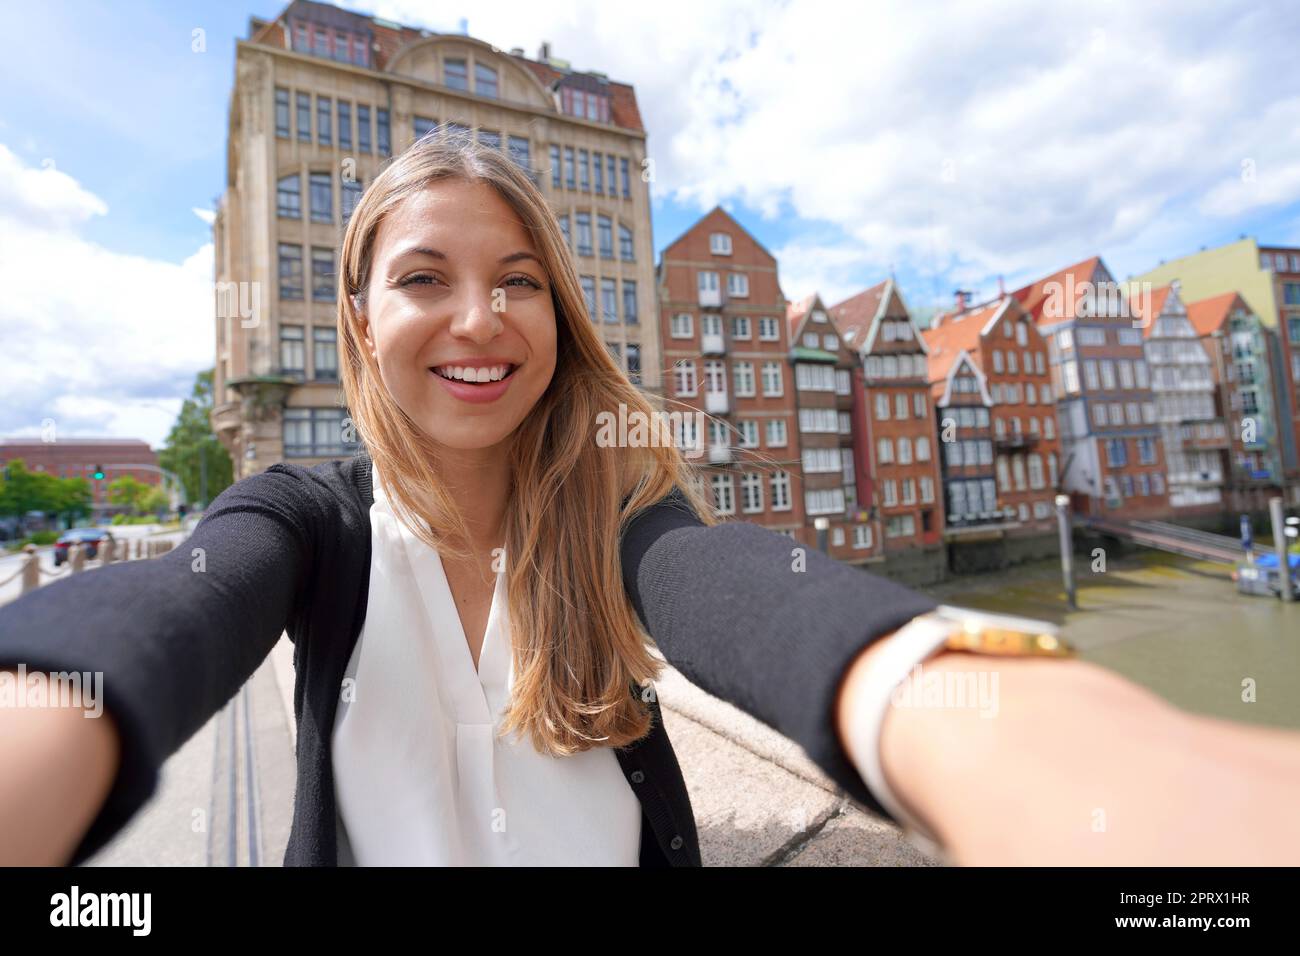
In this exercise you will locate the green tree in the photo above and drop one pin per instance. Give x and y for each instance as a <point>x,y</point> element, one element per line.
<point>154,501</point>
<point>128,491</point>
<point>74,499</point>
<point>192,449</point>
<point>23,491</point>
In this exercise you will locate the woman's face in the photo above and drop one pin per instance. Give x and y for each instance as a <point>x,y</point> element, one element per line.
<point>457,297</point>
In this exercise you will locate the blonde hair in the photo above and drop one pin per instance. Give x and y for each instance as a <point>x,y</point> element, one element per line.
<point>579,649</point>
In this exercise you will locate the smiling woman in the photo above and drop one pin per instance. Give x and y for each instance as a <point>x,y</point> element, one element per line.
<point>475,600</point>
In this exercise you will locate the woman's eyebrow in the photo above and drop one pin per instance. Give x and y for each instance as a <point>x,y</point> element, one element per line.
<point>517,256</point>
<point>421,251</point>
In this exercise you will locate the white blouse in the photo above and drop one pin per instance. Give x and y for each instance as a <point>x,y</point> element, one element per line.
<point>420,776</point>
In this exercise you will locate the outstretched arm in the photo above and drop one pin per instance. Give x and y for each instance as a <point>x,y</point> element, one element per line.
<point>174,638</point>
<point>760,621</point>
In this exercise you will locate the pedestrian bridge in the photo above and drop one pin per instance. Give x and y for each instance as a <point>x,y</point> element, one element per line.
<point>1176,539</point>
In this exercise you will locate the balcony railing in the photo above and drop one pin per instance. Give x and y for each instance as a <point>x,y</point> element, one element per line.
<point>719,454</point>
<point>715,403</point>
<point>713,343</point>
<point>1015,440</point>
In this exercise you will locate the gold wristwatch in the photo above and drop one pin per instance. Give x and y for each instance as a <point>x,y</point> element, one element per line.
<point>945,628</point>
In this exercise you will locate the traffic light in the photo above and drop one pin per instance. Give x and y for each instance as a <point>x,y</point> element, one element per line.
<point>99,473</point>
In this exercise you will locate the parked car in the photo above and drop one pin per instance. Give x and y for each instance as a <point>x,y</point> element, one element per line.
<point>1262,576</point>
<point>92,538</point>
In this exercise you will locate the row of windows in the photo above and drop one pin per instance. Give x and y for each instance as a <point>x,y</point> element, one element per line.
<point>318,433</point>
<point>751,492</point>
<point>746,433</point>
<point>516,146</point>
<point>331,117</point>
<point>609,300</point>
<point>970,451</point>
<point>603,174</point>
<point>900,404</point>
<point>889,496</point>
<point>291,275</point>
<point>828,342</point>
<point>1013,469</point>
<point>715,378</point>
<point>340,45</point>
<point>896,330</point>
<point>1117,451</point>
<point>320,197</point>
<point>1277,262</point>
<point>965,416</point>
<point>1116,414</point>
<point>1106,374</point>
<point>1140,485</point>
<point>1094,336</point>
<point>682,326</point>
<point>825,421</point>
<point>897,366</point>
<point>822,378</point>
<point>604,236</point>
<point>1034,363</point>
<point>1001,427</point>
<point>293,353</point>
<point>587,104</point>
<point>885,450</point>
<point>1013,393</point>
<point>706,282</point>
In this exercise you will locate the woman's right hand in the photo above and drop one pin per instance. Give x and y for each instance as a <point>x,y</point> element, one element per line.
<point>59,766</point>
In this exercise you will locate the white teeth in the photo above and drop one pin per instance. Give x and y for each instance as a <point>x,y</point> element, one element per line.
<point>484,374</point>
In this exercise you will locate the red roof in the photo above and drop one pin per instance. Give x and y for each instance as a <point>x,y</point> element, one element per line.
<point>1208,315</point>
<point>856,312</point>
<point>1034,296</point>
<point>954,336</point>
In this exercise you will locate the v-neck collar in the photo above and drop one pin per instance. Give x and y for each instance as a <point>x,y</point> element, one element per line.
<point>476,693</point>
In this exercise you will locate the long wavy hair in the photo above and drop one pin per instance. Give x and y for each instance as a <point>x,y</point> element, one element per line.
<point>579,650</point>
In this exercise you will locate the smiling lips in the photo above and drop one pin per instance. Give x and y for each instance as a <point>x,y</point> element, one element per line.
<point>476,380</point>
<point>474,374</point>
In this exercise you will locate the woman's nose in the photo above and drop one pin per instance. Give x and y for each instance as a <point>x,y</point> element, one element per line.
<point>476,318</point>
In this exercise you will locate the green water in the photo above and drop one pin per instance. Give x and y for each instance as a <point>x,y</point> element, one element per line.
<point>1175,625</point>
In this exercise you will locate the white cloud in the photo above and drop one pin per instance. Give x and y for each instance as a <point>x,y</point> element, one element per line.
<point>44,197</point>
<point>207,215</point>
<point>106,344</point>
<point>999,137</point>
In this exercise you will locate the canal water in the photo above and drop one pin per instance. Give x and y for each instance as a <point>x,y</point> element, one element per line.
<point>1175,625</point>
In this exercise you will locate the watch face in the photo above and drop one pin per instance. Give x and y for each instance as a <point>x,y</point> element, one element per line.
<point>986,620</point>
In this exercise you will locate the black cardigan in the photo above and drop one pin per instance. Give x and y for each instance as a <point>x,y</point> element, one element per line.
<point>289,548</point>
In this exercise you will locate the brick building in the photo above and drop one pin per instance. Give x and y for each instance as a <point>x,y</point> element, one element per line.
<point>832,416</point>
<point>899,427</point>
<point>1112,455</point>
<point>82,457</point>
<point>993,357</point>
<point>725,346</point>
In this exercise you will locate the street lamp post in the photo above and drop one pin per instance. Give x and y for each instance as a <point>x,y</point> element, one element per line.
<point>1067,548</point>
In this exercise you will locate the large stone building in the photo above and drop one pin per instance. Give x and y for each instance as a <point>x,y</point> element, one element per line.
<point>323,97</point>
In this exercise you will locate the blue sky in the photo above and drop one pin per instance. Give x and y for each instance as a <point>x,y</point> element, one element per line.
<point>950,145</point>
